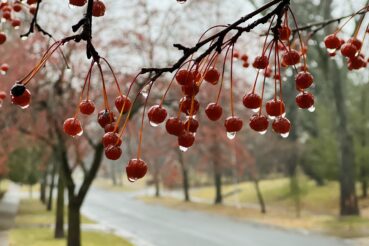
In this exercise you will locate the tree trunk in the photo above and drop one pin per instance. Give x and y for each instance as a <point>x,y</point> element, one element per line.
<point>260,196</point>
<point>185,181</point>
<point>218,185</point>
<point>30,191</point>
<point>49,206</point>
<point>348,198</point>
<point>59,219</point>
<point>364,188</point>
<point>157,187</point>
<point>74,226</point>
<point>43,187</point>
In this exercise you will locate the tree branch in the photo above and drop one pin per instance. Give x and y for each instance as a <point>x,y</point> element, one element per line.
<point>34,24</point>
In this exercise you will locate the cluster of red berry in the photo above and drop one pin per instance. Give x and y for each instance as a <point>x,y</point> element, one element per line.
<point>352,48</point>
<point>98,7</point>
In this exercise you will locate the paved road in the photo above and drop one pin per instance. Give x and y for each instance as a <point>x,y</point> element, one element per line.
<point>151,225</point>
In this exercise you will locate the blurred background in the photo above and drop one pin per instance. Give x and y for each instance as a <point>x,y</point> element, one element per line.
<point>308,189</point>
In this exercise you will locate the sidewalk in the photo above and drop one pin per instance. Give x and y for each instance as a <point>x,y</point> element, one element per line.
<point>8,210</point>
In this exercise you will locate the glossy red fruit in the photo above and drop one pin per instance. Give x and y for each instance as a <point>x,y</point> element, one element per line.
<point>2,95</point>
<point>105,117</point>
<point>174,126</point>
<point>98,8</point>
<point>252,101</point>
<point>185,77</point>
<point>291,57</point>
<point>191,125</point>
<point>356,42</point>
<point>186,139</point>
<point>78,3</point>
<point>348,50</point>
<point>123,101</point>
<point>233,124</point>
<point>111,138</point>
<point>190,90</point>
<point>136,169</point>
<point>196,75</point>
<point>16,23</point>
<point>281,125</point>
<point>189,106</point>
<point>29,2</point>
<point>259,123</point>
<point>304,80</point>
<point>284,33</point>
<point>113,152</point>
<point>214,111</point>
<point>73,127</point>
<point>2,37</point>
<point>4,67</point>
<point>157,115</point>
<point>261,62</point>
<point>305,100</point>
<point>212,76</point>
<point>22,100</point>
<point>356,62</point>
<point>32,10</point>
<point>87,107</point>
<point>17,7</point>
<point>110,127</point>
<point>7,15</point>
<point>275,107</point>
<point>332,42</point>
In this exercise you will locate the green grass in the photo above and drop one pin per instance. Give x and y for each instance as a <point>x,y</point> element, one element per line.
<point>44,237</point>
<point>4,184</point>
<point>33,212</point>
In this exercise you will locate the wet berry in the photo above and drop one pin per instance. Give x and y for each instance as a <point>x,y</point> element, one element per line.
<point>185,77</point>
<point>291,57</point>
<point>304,80</point>
<point>260,62</point>
<point>214,111</point>
<point>186,139</point>
<point>98,8</point>
<point>259,123</point>
<point>305,100</point>
<point>136,169</point>
<point>212,76</point>
<point>87,107</point>
<point>348,50</point>
<point>281,125</point>
<point>275,107</point>
<point>111,138</point>
<point>72,127</point>
<point>75,2</point>
<point>113,152</point>
<point>174,126</point>
<point>189,105</point>
<point>191,125</point>
<point>233,124</point>
<point>105,117</point>
<point>157,114</point>
<point>22,100</point>
<point>332,42</point>
<point>252,101</point>
<point>123,101</point>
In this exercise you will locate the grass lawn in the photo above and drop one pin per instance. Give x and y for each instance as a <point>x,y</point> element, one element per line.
<point>3,187</point>
<point>126,187</point>
<point>33,229</point>
<point>44,237</point>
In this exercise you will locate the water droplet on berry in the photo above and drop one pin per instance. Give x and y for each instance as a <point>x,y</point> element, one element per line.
<point>231,135</point>
<point>25,106</point>
<point>285,135</point>
<point>192,116</point>
<point>146,89</point>
<point>331,51</point>
<point>144,94</point>
<point>153,124</point>
<point>132,180</point>
<point>284,114</point>
<point>183,149</point>
<point>255,110</point>
<point>3,72</point>
<point>271,117</point>
<point>1,103</point>
<point>3,20</point>
<point>263,132</point>
<point>24,38</point>
<point>311,109</point>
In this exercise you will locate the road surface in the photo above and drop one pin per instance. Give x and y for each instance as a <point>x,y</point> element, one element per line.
<point>152,225</point>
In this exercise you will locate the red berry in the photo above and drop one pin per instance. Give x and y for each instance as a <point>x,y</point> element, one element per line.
<point>196,75</point>
<point>261,62</point>
<point>174,126</point>
<point>185,77</point>
<point>16,23</point>
<point>281,125</point>
<point>356,62</point>
<point>212,76</point>
<point>233,124</point>
<point>214,111</point>
<point>110,127</point>
<point>30,2</point>
<point>305,100</point>
<point>190,90</point>
<point>113,152</point>
<point>2,95</point>
<point>105,117</point>
<point>303,80</point>
<point>259,123</point>
<point>7,15</point>
<point>32,10</point>
<point>356,42</point>
<point>189,105</point>
<point>275,107</point>
<point>17,7</point>
<point>291,57</point>
<point>73,127</point>
<point>191,125</point>
<point>98,8</point>
<point>157,115</point>
<point>136,169</point>
<point>73,2</point>
<point>244,58</point>
<point>111,138</point>
<point>332,42</point>
<point>186,139</point>
<point>4,67</point>
<point>2,37</point>
<point>87,107</point>
<point>123,101</point>
<point>22,100</point>
<point>252,101</point>
<point>348,50</point>
<point>284,33</point>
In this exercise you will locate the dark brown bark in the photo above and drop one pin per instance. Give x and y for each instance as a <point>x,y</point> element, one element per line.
<point>49,206</point>
<point>59,215</point>
<point>260,197</point>
<point>74,222</point>
<point>215,150</point>
<point>43,187</point>
<point>185,181</point>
